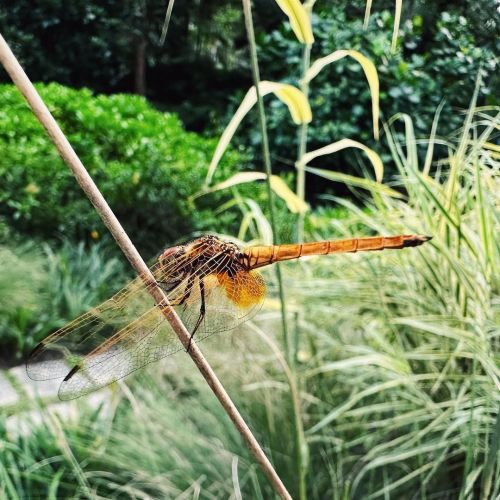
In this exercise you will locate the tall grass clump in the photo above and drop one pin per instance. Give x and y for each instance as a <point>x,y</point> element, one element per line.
<point>401,348</point>
<point>157,441</point>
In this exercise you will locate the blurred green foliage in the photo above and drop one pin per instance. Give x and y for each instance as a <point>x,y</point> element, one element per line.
<point>43,289</point>
<point>144,162</point>
<point>96,44</point>
<point>107,46</point>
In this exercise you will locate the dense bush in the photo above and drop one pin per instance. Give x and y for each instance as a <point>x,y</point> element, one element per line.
<point>443,64</point>
<point>114,46</point>
<point>144,162</point>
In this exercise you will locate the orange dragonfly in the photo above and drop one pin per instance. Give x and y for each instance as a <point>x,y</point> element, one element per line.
<point>213,286</point>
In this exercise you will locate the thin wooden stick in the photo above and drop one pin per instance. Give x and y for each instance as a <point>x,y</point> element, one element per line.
<point>40,110</point>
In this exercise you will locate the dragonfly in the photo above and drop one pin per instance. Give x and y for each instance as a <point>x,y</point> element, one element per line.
<point>213,285</point>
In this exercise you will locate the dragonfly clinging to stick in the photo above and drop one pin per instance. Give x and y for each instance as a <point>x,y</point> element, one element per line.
<point>213,285</point>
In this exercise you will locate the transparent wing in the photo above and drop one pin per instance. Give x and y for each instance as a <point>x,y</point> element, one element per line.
<point>145,340</point>
<point>60,351</point>
<point>150,337</point>
<point>229,301</point>
<point>117,337</point>
<point>55,355</point>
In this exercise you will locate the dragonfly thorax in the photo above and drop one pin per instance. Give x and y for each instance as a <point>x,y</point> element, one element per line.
<point>204,256</point>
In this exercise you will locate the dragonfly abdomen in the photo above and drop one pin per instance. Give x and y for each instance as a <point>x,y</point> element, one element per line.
<point>264,255</point>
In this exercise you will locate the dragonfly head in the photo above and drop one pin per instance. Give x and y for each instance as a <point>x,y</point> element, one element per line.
<point>180,259</point>
<point>171,252</point>
<point>172,264</point>
<point>171,255</point>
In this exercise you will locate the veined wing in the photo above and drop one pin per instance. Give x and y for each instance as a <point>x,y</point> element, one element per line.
<point>115,339</point>
<point>60,351</point>
<point>54,356</point>
<point>145,340</point>
<point>230,299</point>
<point>228,302</point>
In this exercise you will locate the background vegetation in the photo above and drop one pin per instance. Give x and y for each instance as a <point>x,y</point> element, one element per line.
<point>394,359</point>
<point>433,67</point>
<point>146,164</point>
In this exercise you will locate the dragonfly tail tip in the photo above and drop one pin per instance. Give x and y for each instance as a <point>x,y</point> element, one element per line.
<point>416,240</point>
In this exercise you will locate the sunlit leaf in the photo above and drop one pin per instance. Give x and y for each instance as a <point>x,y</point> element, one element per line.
<point>351,180</point>
<point>397,20</point>
<point>370,73</point>
<point>368,9</point>
<point>299,18</point>
<point>293,202</point>
<point>374,158</point>
<point>493,147</point>
<point>254,213</point>
<point>239,178</point>
<point>432,139</point>
<point>166,22</point>
<point>295,100</point>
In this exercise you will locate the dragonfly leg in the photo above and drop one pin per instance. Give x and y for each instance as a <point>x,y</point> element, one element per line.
<point>187,291</point>
<point>201,316</point>
<point>179,301</point>
<point>168,286</point>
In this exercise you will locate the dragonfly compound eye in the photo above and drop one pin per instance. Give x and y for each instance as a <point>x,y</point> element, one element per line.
<point>172,263</point>
<point>169,253</point>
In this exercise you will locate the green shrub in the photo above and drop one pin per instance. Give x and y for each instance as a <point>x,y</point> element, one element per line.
<point>144,162</point>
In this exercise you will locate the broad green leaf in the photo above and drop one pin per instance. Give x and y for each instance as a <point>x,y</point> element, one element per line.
<point>295,100</point>
<point>293,202</point>
<point>374,158</point>
<point>370,73</point>
<point>299,18</point>
<point>351,180</point>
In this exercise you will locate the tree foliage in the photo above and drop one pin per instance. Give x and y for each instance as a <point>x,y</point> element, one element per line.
<point>428,67</point>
